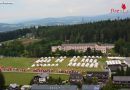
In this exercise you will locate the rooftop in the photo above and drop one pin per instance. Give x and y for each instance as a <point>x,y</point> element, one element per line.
<point>14,85</point>
<point>76,76</point>
<point>92,44</point>
<point>43,75</point>
<point>84,44</point>
<point>98,72</point>
<point>121,78</point>
<point>91,87</point>
<point>54,87</point>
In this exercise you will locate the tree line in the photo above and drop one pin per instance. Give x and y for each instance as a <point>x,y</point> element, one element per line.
<point>116,31</point>
<point>103,31</point>
<point>39,49</point>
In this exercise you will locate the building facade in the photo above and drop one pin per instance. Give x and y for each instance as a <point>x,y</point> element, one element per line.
<point>83,47</point>
<point>75,78</point>
<point>102,76</point>
<point>123,81</point>
<point>40,78</point>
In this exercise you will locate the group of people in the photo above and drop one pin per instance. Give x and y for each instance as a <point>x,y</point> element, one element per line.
<point>40,70</point>
<point>12,69</point>
<point>35,70</point>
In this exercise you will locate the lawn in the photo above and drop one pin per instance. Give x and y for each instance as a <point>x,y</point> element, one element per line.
<point>22,62</point>
<point>19,78</point>
<point>17,62</point>
<point>62,76</point>
<point>24,41</point>
<point>63,66</point>
<point>27,41</point>
<point>25,78</point>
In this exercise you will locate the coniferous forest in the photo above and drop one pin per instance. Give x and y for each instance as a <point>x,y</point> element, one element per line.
<point>116,32</point>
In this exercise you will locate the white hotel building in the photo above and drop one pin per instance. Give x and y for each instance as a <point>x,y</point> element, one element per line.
<point>83,47</point>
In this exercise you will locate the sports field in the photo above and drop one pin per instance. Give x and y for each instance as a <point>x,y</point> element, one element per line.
<point>19,78</point>
<point>21,62</point>
<point>17,62</point>
<point>25,77</point>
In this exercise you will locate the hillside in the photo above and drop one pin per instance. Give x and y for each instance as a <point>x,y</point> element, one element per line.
<point>4,27</point>
<point>103,31</point>
<point>69,20</point>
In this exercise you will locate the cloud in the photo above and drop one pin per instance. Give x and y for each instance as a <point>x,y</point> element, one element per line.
<point>32,9</point>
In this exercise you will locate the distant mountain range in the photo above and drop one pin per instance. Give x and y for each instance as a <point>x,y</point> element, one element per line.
<point>9,27</point>
<point>62,21</point>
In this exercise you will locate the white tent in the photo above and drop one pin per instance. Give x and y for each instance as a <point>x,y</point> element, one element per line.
<point>85,56</point>
<point>97,56</point>
<point>95,60</point>
<point>100,56</point>
<point>41,65</point>
<point>61,57</point>
<point>45,65</point>
<point>56,64</point>
<point>91,60</point>
<point>49,64</point>
<point>71,60</point>
<point>113,62</point>
<point>78,64</point>
<point>83,64</point>
<point>91,65</point>
<point>117,58</point>
<point>74,64</point>
<point>89,56</point>
<point>75,60</point>
<point>69,64</point>
<point>45,60</point>
<point>52,64</point>
<point>52,57</point>
<point>33,65</point>
<point>82,60</point>
<point>38,61</point>
<point>74,56</point>
<point>78,56</point>
<point>93,56</point>
<point>37,65</point>
<point>41,57</point>
<point>57,60</point>
<point>95,65</point>
<point>87,65</point>
<point>87,60</point>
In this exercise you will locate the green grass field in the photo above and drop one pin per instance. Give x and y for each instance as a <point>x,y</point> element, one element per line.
<point>24,41</point>
<point>27,41</point>
<point>62,76</point>
<point>25,78</point>
<point>17,62</point>
<point>63,66</point>
<point>21,62</point>
<point>19,78</point>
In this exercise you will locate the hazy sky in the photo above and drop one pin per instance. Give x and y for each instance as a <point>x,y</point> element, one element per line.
<point>22,10</point>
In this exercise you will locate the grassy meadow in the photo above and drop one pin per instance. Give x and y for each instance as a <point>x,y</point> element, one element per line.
<point>25,77</point>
